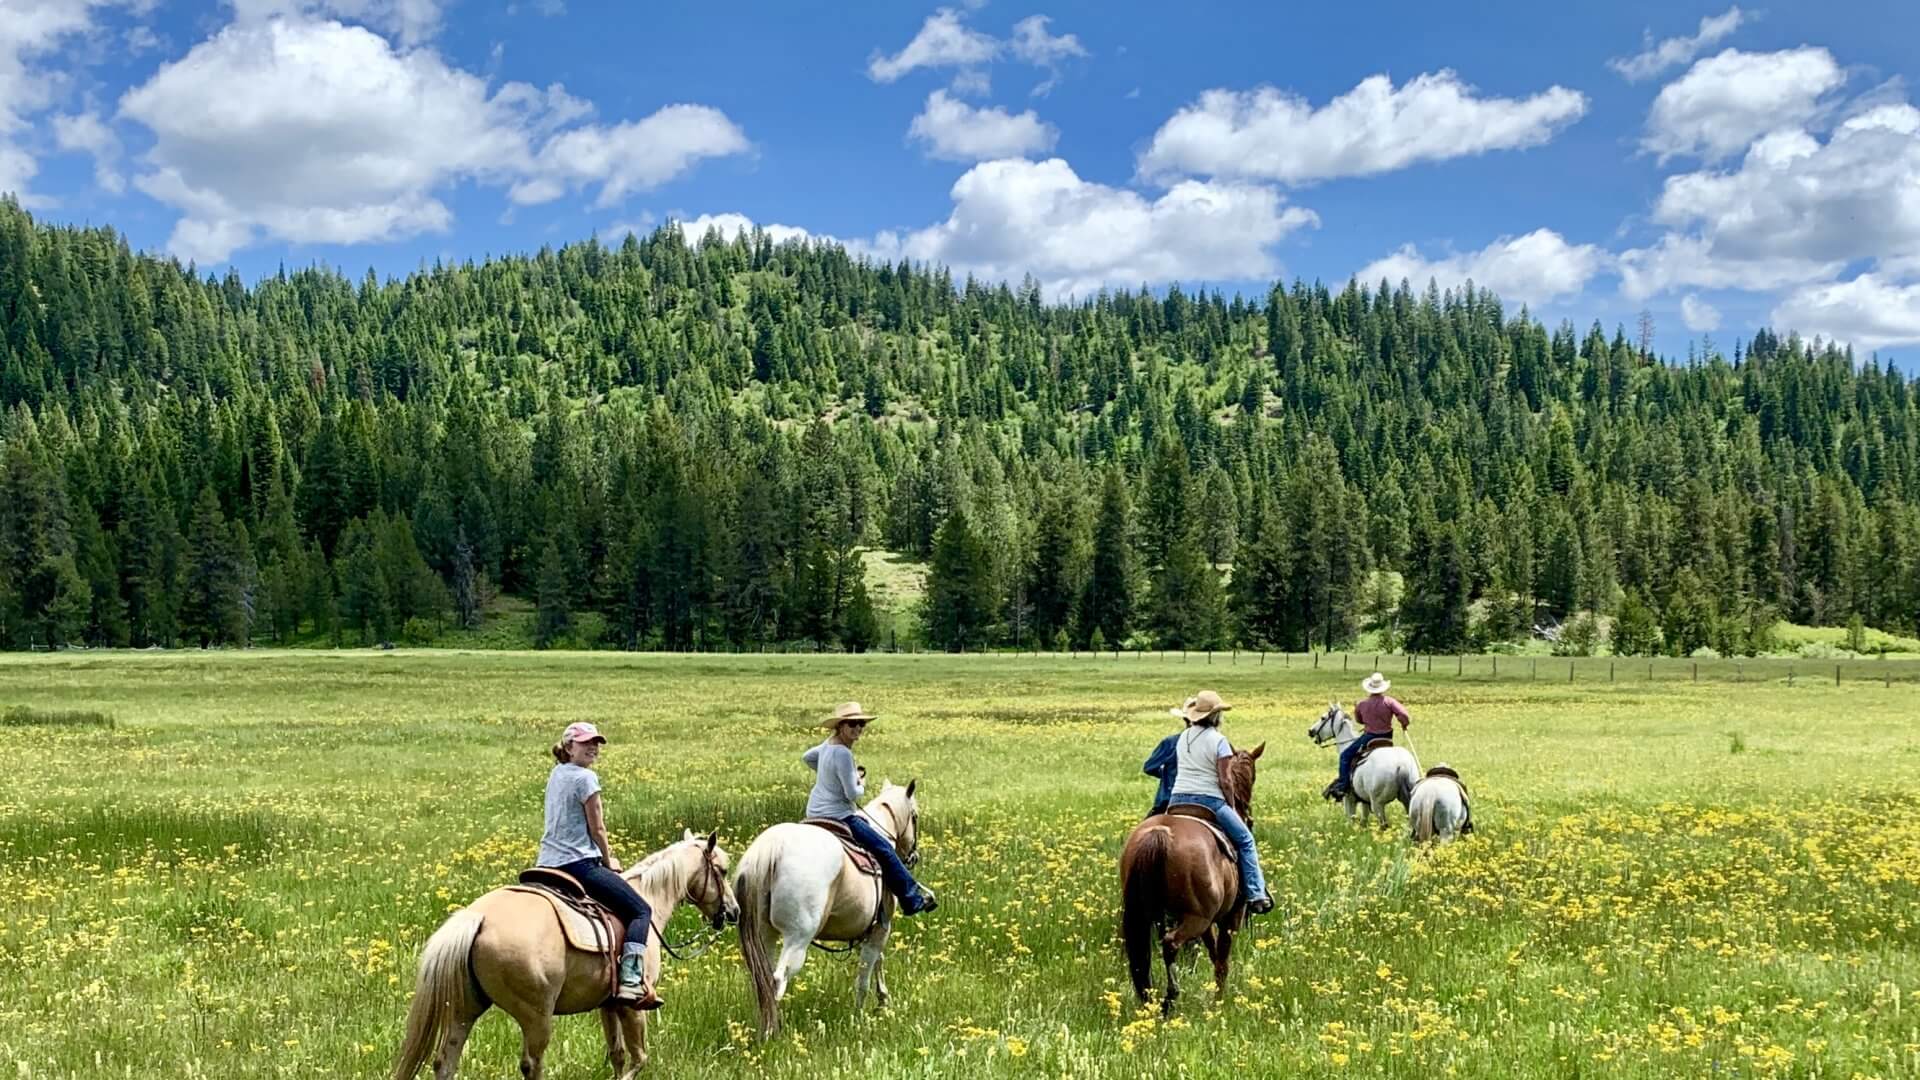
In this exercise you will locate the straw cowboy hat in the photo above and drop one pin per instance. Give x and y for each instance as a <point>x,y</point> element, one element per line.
<point>1375,683</point>
<point>846,713</point>
<point>1202,705</point>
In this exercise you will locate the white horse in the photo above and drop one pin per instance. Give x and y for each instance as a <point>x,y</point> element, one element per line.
<point>1386,775</point>
<point>1438,808</point>
<point>797,879</point>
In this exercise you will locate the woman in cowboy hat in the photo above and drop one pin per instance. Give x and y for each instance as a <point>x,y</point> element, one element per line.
<point>575,841</point>
<point>838,786</point>
<point>1202,754</point>
<point>1376,713</point>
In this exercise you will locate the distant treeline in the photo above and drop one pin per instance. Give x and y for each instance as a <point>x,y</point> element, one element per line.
<point>695,439</point>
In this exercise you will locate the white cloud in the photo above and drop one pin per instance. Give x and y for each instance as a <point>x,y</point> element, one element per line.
<point>1675,51</point>
<point>943,41</point>
<point>956,131</point>
<point>1796,210</point>
<point>31,31</point>
<point>411,21</point>
<point>1373,128</point>
<point>633,156</point>
<point>1870,311</point>
<point>1011,218</point>
<point>1698,314</point>
<point>1725,102</point>
<point>1679,261</point>
<point>87,134</point>
<point>731,225</point>
<point>316,132</point>
<point>1532,269</point>
<point>1032,43</point>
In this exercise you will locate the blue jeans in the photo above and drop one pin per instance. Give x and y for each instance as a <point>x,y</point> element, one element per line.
<point>894,872</point>
<point>1353,751</point>
<point>621,898</point>
<point>1252,881</point>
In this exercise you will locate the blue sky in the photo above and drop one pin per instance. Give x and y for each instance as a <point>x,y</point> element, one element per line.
<point>1722,167</point>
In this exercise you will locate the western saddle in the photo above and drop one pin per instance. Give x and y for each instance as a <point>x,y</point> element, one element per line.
<point>586,923</point>
<point>863,860</point>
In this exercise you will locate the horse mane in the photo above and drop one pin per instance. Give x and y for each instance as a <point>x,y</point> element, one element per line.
<point>662,871</point>
<point>895,799</point>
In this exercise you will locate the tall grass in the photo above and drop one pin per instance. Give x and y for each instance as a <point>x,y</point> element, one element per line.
<point>239,882</point>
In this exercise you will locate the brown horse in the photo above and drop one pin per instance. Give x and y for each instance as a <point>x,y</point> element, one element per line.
<point>507,949</point>
<point>1175,879</point>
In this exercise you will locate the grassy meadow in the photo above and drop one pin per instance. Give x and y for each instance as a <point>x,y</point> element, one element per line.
<point>224,865</point>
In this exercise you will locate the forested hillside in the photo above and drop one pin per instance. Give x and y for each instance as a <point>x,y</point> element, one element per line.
<point>694,442</point>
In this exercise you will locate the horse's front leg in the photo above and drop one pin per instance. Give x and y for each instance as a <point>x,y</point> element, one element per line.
<point>1352,804</point>
<point>880,993</point>
<point>616,1045</point>
<point>633,1024</point>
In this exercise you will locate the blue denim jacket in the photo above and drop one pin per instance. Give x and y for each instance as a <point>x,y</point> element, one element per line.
<point>1164,763</point>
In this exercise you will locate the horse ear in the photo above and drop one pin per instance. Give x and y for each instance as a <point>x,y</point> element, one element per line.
<point>712,839</point>
<point>1257,751</point>
<point>911,784</point>
<point>686,834</point>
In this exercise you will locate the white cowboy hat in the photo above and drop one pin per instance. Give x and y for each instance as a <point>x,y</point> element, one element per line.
<point>1375,683</point>
<point>847,713</point>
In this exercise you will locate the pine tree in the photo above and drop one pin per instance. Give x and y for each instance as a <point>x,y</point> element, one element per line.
<point>959,598</point>
<point>554,616</point>
<point>1187,605</point>
<point>1107,601</point>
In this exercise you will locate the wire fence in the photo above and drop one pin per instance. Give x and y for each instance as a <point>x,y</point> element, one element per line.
<point>1489,667</point>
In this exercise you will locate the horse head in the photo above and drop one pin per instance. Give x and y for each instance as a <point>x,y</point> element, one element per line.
<point>897,813</point>
<point>1327,728</point>
<point>707,885</point>
<point>1243,772</point>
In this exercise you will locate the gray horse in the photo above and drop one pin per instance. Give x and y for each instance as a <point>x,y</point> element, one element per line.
<point>1383,776</point>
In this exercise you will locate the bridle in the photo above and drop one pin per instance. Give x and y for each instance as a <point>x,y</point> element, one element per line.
<point>1330,720</point>
<point>709,873</point>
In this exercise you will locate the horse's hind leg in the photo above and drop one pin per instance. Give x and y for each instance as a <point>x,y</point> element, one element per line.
<point>1169,952</point>
<point>447,1061</point>
<point>1220,947</point>
<point>793,955</point>
<point>535,1032</point>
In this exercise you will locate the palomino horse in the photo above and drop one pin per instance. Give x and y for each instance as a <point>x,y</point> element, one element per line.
<point>797,879</point>
<point>1386,775</point>
<point>1175,879</point>
<point>1438,809</point>
<point>507,949</point>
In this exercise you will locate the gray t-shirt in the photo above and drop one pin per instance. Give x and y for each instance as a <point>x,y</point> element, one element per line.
<point>837,789</point>
<point>1199,748</point>
<point>566,839</point>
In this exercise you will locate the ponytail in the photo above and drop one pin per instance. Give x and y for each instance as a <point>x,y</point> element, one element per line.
<point>562,753</point>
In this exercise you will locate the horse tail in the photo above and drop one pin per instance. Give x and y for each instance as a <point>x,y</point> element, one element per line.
<point>445,990</point>
<point>1423,821</point>
<point>753,888</point>
<point>1142,902</point>
<point>1408,778</point>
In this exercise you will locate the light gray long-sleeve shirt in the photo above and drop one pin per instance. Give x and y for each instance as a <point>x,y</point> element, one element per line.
<point>837,788</point>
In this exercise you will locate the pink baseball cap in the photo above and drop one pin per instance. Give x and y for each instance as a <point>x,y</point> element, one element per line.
<point>581,731</point>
